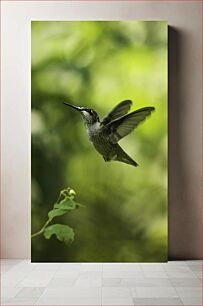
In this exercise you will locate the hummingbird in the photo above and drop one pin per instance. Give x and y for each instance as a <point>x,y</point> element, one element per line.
<point>117,124</point>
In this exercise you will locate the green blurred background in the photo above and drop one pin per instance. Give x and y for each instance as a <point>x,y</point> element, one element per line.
<point>98,64</point>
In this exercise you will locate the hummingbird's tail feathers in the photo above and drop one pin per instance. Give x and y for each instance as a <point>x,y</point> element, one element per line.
<point>122,156</point>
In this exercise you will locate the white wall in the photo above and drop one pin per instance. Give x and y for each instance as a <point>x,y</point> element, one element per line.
<point>184,112</point>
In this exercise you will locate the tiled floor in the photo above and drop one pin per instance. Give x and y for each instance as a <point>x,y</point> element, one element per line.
<point>173,283</point>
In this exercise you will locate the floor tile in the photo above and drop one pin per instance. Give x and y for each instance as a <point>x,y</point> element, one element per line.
<point>147,292</point>
<point>177,262</point>
<point>122,269</point>
<point>155,274</point>
<point>30,292</point>
<point>90,274</point>
<point>9,292</point>
<point>66,273</point>
<point>111,282</point>
<point>161,264</point>
<point>45,266</point>
<point>177,268</point>
<point>152,268</point>
<point>70,267</point>
<point>193,262</point>
<point>198,274</point>
<point>15,275</point>
<point>189,291</point>
<point>91,267</point>
<point>171,283</point>
<point>185,282</point>
<point>115,292</point>
<point>37,279</point>
<point>119,267</point>
<point>4,301</point>
<point>146,282</point>
<point>178,274</point>
<point>89,279</point>
<point>59,282</point>
<point>6,268</point>
<point>69,301</point>
<point>11,261</point>
<point>88,282</point>
<point>196,268</point>
<point>123,274</point>
<point>192,301</point>
<point>117,301</point>
<point>22,301</point>
<point>74,292</point>
<point>157,301</point>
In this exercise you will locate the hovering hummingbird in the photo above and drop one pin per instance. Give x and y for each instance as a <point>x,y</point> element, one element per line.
<point>117,124</point>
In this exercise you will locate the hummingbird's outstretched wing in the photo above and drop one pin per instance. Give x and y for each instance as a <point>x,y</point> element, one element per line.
<point>123,126</point>
<point>118,111</point>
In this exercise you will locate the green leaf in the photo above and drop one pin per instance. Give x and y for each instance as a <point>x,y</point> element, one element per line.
<point>56,212</point>
<point>66,204</point>
<point>63,207</point>
<point>63,233</point>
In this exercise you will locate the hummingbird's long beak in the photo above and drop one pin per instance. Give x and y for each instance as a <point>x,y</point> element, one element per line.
<point>73,106</point>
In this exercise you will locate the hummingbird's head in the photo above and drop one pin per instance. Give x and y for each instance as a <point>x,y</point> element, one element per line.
<point>89,115</point>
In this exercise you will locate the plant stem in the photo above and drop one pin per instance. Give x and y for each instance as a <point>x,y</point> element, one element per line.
<point>49,220</point>
<point>42,229</point>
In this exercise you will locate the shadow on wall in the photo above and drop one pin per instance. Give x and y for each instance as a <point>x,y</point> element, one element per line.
<point>184,201</point>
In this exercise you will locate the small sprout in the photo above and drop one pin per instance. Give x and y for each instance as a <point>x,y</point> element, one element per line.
<point>63,205</point>
<point>72,192</point>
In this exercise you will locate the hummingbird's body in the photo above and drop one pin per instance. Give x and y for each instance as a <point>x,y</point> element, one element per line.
<point>116,125</point>
<point>110,151</point>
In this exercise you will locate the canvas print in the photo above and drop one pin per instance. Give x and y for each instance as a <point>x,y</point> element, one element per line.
<point>99,141</point>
